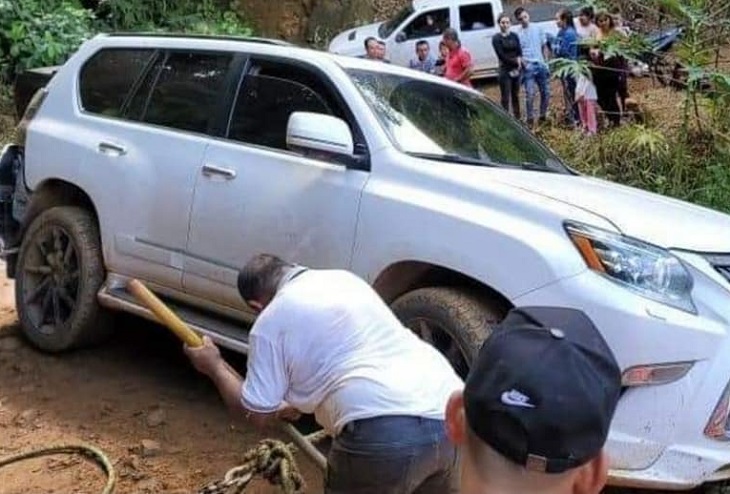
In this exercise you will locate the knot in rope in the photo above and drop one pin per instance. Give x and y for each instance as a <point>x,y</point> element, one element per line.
<point>272,459</point>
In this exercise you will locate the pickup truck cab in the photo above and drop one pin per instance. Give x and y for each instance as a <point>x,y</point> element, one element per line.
<point>474,20</point>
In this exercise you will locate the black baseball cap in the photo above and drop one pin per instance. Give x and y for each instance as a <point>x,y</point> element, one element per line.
<point>543,389</point>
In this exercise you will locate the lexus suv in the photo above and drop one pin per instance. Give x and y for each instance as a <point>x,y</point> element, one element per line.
<point>174,159</point>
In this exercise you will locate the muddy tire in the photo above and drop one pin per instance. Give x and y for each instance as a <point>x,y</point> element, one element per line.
<point>455,321</point>
<point>59,272</point>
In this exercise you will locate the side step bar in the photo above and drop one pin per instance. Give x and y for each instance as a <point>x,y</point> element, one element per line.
<point>226,333</point>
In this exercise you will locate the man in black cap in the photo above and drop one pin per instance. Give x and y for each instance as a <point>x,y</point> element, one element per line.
<point>536,408</point>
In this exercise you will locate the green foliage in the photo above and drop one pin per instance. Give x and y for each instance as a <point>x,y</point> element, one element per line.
<point>35,33</point>
<point>183,16</point>
<point>688,157</point>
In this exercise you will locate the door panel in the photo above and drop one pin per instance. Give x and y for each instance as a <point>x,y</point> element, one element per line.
<point>163,145</point>
<point>252,195</point>
<point>145,174</point>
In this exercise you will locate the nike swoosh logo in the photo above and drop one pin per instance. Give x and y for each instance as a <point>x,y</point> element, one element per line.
<point>516,399</point>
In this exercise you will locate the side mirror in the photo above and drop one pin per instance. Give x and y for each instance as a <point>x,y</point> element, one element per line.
<point>400,37</point>
<point>319,133</point>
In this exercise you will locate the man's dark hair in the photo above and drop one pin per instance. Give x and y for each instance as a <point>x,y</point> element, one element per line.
<point>451,34</point>
<point>369,39</point>
<point>259,278</point>
<point>518,12</point>
<point>421,43</point>
<point>587,12</point>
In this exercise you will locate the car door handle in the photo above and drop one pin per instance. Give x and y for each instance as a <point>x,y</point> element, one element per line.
<point>112,149</point>
<point>211,170</point>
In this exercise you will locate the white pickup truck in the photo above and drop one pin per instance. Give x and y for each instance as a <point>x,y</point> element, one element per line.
<point>474,20</point>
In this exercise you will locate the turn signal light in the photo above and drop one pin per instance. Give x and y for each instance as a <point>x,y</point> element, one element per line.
<point>652,375</point>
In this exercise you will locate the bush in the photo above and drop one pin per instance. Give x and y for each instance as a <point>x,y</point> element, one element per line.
<point>184,16</point>
<point>36,33</point>
<point>692,167</point>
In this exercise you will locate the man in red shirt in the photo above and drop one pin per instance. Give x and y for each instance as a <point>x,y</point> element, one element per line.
<point>459,64</point>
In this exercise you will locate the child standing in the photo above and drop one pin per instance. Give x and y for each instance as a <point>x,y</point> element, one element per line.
<point>586,97</point>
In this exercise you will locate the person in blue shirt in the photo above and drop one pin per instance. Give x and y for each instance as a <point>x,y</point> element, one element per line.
<point>565,45</point>
<point>424,61</point>
<point>533,42</point>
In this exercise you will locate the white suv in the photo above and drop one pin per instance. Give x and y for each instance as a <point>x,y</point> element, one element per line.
<point>174,159</point>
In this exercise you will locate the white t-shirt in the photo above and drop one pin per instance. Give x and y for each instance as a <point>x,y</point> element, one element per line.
<point>585,32</point>
<point>585,89</point>
<point>327,344</point>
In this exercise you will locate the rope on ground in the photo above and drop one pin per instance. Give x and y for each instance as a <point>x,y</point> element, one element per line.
<point>272,459</point>
<point>89,452</point>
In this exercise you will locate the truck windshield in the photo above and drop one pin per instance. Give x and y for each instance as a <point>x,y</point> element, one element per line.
<point>435,121</point>
<point>387,28</point>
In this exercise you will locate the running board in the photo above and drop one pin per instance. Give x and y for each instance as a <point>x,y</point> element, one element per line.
<point>226,333</point>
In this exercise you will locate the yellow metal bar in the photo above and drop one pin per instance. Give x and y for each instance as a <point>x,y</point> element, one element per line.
<point>164,314</point>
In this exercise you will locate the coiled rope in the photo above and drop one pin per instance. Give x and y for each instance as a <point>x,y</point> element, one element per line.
<point>91,453</point>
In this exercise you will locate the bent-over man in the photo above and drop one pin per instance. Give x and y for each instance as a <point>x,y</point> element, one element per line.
<point>325,343</point>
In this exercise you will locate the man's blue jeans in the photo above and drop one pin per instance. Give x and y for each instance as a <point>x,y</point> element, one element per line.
<point>389,455</point>
<point>536,76</point>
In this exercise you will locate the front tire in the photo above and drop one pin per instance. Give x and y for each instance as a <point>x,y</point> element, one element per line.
<point>454,321</point>
<point>59,273</point>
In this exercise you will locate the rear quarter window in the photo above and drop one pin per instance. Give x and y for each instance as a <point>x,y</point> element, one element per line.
<point>107,78</point>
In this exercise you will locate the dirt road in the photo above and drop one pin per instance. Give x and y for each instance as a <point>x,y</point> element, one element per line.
<point>136,398</point>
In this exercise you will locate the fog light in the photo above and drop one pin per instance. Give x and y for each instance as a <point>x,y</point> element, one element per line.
<point>648,375</point>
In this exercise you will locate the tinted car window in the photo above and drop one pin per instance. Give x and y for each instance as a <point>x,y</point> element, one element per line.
<point>432,23</point>
<point>107,78</point>
<point>188,90</point>
<point>270,93</point>
<point>476,16</point>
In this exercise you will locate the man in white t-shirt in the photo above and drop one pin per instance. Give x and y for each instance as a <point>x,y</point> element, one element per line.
<point>325,343</point>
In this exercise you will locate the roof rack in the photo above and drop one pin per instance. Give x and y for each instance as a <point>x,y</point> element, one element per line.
<point>248,39</point>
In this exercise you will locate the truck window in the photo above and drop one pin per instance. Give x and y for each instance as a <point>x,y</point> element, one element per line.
<point>187,90</point>
<point>476,16</point>
<point>431,23</point>
<point>269,94</point>
<point>108,76</point>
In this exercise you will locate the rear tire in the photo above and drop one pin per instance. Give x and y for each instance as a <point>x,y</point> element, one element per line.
<point>59,273</point>
<point>454,321</point>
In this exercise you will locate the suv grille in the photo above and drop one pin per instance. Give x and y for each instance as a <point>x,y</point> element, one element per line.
<point>721,263</point>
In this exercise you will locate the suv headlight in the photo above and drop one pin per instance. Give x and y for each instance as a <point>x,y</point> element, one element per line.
<point>650,271</point>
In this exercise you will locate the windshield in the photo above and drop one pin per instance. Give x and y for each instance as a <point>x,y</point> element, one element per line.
<point>431,120</point>
<point>387,28</point>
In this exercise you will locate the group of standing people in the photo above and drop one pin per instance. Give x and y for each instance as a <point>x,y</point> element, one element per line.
<point>523,62</point>
<point>454,62</point>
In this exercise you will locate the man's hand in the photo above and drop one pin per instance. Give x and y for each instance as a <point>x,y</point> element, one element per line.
<point>205,358</point>
<point>288,414</point>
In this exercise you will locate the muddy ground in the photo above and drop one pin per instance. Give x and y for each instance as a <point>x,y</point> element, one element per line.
<point>161,424</point>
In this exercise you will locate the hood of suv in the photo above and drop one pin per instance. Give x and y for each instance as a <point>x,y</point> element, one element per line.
<point>657,219</point>
<point>352,41</point>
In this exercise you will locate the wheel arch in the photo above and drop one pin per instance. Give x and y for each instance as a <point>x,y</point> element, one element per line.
<point>404,276</point>
<point>51,193</point>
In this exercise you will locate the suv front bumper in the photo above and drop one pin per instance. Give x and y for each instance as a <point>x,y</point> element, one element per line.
<point>657,438</point>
